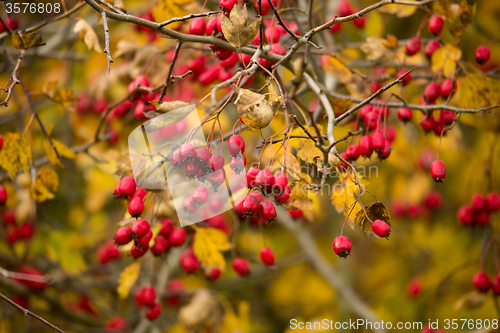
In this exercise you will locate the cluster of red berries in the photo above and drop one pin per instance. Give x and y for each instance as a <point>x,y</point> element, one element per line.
<point>127,189</point>
<point>15,232</point>
<point>34,284</point>
<point>141,234</point>
<point>482,282</point>
<point>87,104</point>
<point>146,297</point>
<point>432,201</point>
<point>262,184</point>
<point>138,102</point>
<point>344,9</point>
<point>436,24</point>
<point>479,210</point>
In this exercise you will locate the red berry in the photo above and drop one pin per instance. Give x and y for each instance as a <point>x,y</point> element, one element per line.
<point>413,46</point>
<point>127,186</point>
<point>217,178</point>
<point>26,230</point>
<point>264,180</point>
<point>482,54</point>
<point>371,120</point>
<point>236,145</point>
<point>359,22</point>
<point>209,75</point>
<point>229,62</point>
<point>123,235</point>
<point>433,200</point>
<point>280,182</point>
<point>481,281</point>
<point>493,201</point>
<point>200,195</point>
<point>116,324</point>
<point>175,287</point>
<point>431,47</point>
<point>405,114</point>
<point>211,26</point>
<point>214,274</point>
<point>336,27</point>
<point>148,295</point>
<point>381,228</point>
<point>187,151</point>
<point>414,288</point>
<point>153,311</point>
<point>478,202</point>
<point>446,88</point>
<point>365,146</point>
<point>342,246</point>
<point>197,26</point>
<point>177,236</point>
<point>407,79</point>
<point>465,215</point>
<point>32,284</point>
<point>12,235</point>
<point>495,284</point>
<point>250,176</point>
<point>352,153</point>
<point>427,329</point>
<point>447,117</point>
<point>275,49</point>
<point>216,161</point>
<point>266,7</point>
<point>135,207</point>
<point>237,163</point>
<point>202,155</point>
<point>344,8</point>
<point>436,24</point>
<point>438,171</point>
<point>138,251</point>
<point>166,227</point>
<point>250,205</point>
<point>427,123</point>
<point>431,92</point>
<point>1,142</point>
<point>143,242</point>
<point>161,245</point>
<point>267,211</point>
<point>377,140</point>
<point>482,218</point>
<point>241,267</point>
<point>296,213</point>
<point>140,192</point>
<point>189,262</point>
<point>9,217</point>
<point>272,34</point>
<point>177,160</point>
<point>283,196</point>
<point>267,256</point>
<point>227,4</point>
<point>140,228</point>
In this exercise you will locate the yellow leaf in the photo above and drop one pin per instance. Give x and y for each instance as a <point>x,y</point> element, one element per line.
<point>466,12</point>
<point>127,279</point>
<point>400,10</point>
<point>167,9</point>
<point>336,68</point>
<point>63,150</point>
<point>45,182</point>
<point>375,24</point>
<point>292,164</point>
<point>237,322</point>
<point>26,41</point>
<point>443,8</point>
<point>309,152</point>
<point>375,211</point>
<point>253,108</point>
<point>15,154</point>
<point>345,194</point>
<point>63,96</point>
<point>88,35</point>
<point>207,246</point>
<point>478,91</point>
<point>65,248</point>
<point>444,59</point>
<point>376,51</point>
<point>236,29</point>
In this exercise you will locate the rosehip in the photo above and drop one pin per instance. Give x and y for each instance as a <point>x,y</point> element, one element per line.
<point>280,182</point>
<point>495,285</point>
<point>214,274</point>
<point>197,26</point>
<point>407,79</point>
<point>446,88</point>
<point>352,153</point>
<point>427,123</point>
<point>283,197</point>
<point>365,146</point>
<point>250,176</point>
<point>447,117</point>
<point>431,47</point>
<point>493,201</point>
<point>200,195</point>
<point>413,46</point>
<point>465,215</point>
<point>135,207</point>
<point>217,178</point>
<point>342,246</point>
<point>143,242</point>
<point>137,251</point>
<point>236,163</point>
<point>160,245</point>
<point>216,161</point>
<point>148,295</point>
<point>482,218</point>
<point>267,211</point>
<point>431,92</point>
<point>414,288</point>
<point>26,230</point>
<point>250,205</point>
<point>227,4</point>
<point>211,26</point>
<point>177,160</point>
<point>166,227</point>
<point>3,195</point>
<point>482,54</point>
<point>202,156</point>
<point>436,24</point>
<point>241,266</point>
<point>478,202</point>
<point>377,140</point>
<point>229,62</point>
<point>236,145</point>
<point>381,228</point>
<point>153,311</point>
<point>127,186</point>
<point>405,114</point>
<point>32,284</point>
<point>433,200</point>
<point>140,228</point>
<point>481,281</point>
<point>140,192</point>
<point>188,261</point>
<point>264,180</point>
<point>177,236</point>
<point>267,256</point>
<point>438,171</point>
<point>344,8</point>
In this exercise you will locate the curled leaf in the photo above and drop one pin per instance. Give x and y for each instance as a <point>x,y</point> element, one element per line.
<point>253,108</point>
<point>375,211</point>
<point>26,41</point>
<point>87,35</point>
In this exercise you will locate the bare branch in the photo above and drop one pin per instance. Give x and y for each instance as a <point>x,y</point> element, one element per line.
<point>185,18</point>
<point>106,38</point>
<point>171,69</point>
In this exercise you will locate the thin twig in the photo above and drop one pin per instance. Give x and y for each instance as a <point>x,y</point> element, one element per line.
<point>171,69</point>
<point>185,18</point>
<point>106,40</point>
